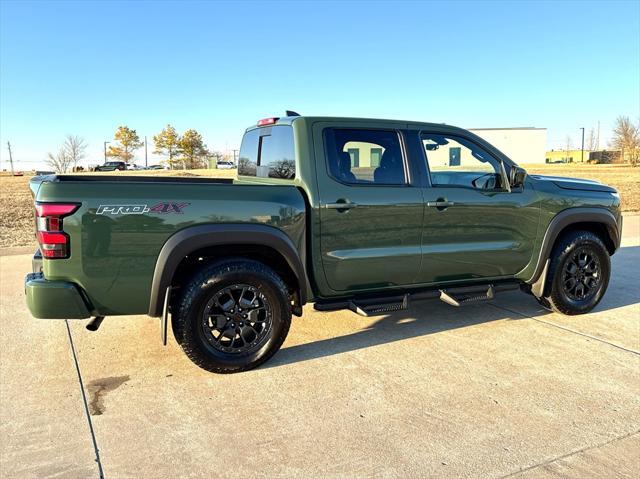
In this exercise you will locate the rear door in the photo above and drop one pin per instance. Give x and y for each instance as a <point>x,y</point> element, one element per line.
<point>370,210</point>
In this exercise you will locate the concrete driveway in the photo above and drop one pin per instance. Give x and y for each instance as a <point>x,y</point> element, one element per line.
<point>493,390</point>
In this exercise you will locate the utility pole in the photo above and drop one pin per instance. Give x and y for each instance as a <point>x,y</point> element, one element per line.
<point>105,150</point>
<point>235,160</point>
<point>10,157</point>
<point>145,151</point>
<point>598,138</point>
<point>582,149</point>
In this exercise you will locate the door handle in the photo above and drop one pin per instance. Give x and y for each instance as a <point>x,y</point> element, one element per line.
<point>440,204</point>
<point>341,205</point>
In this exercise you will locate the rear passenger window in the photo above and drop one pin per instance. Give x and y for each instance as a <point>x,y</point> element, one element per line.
<point>268,153</point>
<point>365,156</point>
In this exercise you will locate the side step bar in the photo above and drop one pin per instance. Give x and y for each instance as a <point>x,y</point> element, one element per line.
<point>469,298</point>
<point>458,296</point>
<point>379,305</point>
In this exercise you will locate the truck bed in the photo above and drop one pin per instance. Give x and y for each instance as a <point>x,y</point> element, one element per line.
<point>123,222</point>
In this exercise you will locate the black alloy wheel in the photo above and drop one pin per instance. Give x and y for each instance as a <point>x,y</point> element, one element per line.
<point>581,275</point>
<point>232,315</point>
<point>237,319</point>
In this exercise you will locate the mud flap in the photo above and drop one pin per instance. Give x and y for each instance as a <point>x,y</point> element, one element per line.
<point>164,321</point>
<point>537,288</point>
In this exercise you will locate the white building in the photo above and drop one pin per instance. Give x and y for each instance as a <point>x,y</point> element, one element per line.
<point>523,145</point>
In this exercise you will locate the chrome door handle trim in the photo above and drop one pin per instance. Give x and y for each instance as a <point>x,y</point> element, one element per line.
<point>440,204</point>
<point>340,206</point>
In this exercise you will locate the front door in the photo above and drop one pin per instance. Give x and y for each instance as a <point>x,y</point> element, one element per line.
<point>370,214</point>
<point>474,228</point>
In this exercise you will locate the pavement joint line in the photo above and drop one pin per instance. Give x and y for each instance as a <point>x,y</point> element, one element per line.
<point>564,328</point>
<point>569,454</point>
<point>84,400</point>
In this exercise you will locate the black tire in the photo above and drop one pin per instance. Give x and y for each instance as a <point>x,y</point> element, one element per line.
<point>203,318</point>
<point>544,302</point>
<point>578,275</point>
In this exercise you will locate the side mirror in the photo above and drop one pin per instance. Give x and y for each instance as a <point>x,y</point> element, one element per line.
<point>517,176</point>
<point>506,183</point>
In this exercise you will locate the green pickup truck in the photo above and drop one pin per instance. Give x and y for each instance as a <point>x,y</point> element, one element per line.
<point>345,213</point>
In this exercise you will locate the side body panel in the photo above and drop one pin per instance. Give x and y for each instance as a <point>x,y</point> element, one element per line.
<point>572,205</point>
<point>483,235</point>
<point>113,255</point>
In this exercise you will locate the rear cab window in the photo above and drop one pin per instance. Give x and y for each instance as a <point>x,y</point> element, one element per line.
<point>365,156</point>
<point>268,152</point>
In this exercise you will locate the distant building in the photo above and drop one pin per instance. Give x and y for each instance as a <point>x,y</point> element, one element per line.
<point>566,156</point>
<point>524,145</point>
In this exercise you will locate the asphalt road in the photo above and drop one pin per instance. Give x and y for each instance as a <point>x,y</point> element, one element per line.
<point>494,390</point>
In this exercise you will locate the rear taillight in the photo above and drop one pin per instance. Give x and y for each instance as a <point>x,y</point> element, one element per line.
<point>54,242</point>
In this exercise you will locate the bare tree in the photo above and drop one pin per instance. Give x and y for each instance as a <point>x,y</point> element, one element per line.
<point>60,162</point>
<point>626,138</point>
<point>591,140</point>
<point>75,149</point>
<point>568,143</point>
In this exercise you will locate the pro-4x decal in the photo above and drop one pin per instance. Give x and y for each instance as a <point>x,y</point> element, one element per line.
<point>161,208</point>
<point>168,208</point>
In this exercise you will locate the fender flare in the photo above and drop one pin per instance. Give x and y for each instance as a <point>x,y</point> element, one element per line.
<point>193,238</point>
<point>561,221</point>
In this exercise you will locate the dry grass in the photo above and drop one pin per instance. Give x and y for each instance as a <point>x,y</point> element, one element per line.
<point>16,205</point>
<point>16,212</point>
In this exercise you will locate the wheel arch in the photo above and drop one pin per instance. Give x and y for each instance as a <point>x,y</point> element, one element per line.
<point>599,221</point>
<point>228,239</point>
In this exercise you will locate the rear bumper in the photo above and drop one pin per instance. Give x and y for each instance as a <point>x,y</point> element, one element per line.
<point>54,299</point>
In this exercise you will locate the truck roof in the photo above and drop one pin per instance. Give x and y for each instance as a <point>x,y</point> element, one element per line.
<point>288,120</point>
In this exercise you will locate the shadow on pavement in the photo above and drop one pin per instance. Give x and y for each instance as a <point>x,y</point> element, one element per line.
<point>413,322</point>
<point>431,316</point>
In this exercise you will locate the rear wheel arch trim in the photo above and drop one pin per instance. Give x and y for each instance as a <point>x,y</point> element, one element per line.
<point>564,219</point>
<point>194,238</point>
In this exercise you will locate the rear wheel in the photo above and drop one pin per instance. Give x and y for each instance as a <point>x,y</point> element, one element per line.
<point>233,316</point>
<point>578,274</point>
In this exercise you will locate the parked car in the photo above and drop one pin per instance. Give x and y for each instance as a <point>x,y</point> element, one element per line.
<point>134,167</point>
<point>112,166</point>
<point>225,165</point>
<point>358,214</point>
<point>157,167</point>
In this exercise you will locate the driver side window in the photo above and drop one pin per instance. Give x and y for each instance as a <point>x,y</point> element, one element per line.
<point>456,161</point>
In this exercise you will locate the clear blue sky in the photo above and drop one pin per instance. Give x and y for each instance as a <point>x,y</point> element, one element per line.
<point>86,67</point>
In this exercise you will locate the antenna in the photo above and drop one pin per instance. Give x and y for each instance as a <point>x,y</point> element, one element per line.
<point>291,113</point>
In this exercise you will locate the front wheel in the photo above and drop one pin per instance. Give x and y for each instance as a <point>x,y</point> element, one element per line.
<point>578,275</point>
<point>233,316</point>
